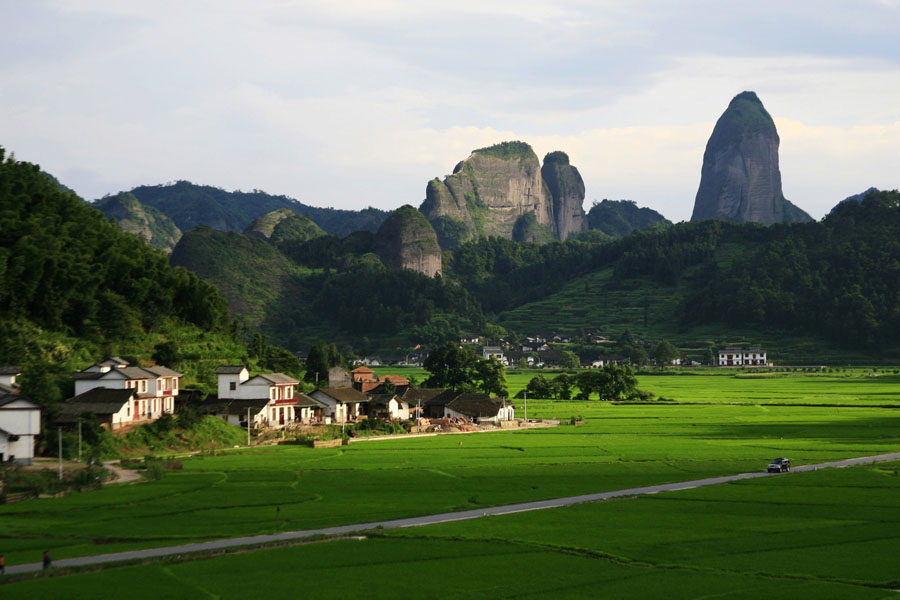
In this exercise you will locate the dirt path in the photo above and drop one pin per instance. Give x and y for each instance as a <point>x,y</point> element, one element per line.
<point>432,519</point>
<point>122,475</point>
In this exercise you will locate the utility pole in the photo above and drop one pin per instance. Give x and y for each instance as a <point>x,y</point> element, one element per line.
<point>79,439</point>
<point>59,431</point>
<point>525,395</point>
<point>248,425</point>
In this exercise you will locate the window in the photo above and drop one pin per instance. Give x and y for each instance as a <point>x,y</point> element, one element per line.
<point>232,386</point>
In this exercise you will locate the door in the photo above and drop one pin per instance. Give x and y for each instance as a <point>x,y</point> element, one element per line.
<point>281,415</point>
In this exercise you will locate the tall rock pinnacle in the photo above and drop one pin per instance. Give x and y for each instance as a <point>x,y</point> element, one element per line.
<point>740,180</point>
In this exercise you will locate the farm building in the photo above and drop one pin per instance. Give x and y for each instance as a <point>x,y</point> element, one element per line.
<point>343,404</point>
<point>113,408</point>
<point>475,407</point>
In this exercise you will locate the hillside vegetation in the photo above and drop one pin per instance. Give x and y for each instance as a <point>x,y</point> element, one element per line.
<point>189,205</point>
<point>73,287</point>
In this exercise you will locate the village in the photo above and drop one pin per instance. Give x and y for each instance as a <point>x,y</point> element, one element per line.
<point>120,396</point>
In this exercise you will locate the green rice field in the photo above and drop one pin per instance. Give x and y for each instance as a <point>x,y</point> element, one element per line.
<point>826,534</point>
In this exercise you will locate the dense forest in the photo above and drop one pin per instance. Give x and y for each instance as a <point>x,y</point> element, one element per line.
<point>835,280</point>
<point>73,286</point>
<point>189,205</point>
<point>840,277</point>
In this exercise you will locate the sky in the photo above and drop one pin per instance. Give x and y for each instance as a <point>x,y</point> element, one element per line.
<point>355,103</point>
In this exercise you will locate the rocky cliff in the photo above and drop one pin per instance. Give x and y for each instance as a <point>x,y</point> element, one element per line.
<point>740,180</point>
<point>145,221</point>
<point>567,191</point>
<point>283,225</point>
<point>407,240</point>
<point>491,193</point>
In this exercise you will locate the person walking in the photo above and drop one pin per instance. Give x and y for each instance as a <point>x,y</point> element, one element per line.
<point>2,565</point>
<point>47,561</point>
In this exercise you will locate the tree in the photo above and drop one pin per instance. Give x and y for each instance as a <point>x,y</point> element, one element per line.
<point>166,353</point>
<point>569,360</point>
<point>562,386</point>
<point>490,376</point>
<point>322,356</point>
<point>450,367</point>
<point>539,387</point>
<point>664,353</point>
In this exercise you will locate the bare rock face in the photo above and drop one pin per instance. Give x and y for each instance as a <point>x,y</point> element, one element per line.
<point>740,180</point>
<point>489,194</point>
<point>142,220</point>
<point>567,190</point>
<point>407,240</point>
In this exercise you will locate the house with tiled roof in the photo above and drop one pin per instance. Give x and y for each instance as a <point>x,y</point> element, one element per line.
<point>271,398</point>
<point>387,406</point>
<point>472,406</point>
<point>344,404</point>
<point>155,388</point>
<point>20,424</point>
<point>113,408</point>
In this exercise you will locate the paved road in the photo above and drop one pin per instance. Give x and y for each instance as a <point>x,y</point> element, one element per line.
<point>429,519</point>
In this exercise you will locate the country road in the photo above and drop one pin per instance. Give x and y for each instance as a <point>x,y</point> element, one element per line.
<point>429,519</point>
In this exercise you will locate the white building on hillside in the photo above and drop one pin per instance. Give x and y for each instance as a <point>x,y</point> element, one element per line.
<point>155,387</point>
<point>271,398</point>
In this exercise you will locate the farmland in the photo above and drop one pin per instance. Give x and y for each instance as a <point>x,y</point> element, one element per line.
<point>736,427</point>
<point>788,536</point>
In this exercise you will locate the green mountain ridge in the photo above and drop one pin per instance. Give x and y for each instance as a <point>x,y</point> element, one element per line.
<point>189,205</point>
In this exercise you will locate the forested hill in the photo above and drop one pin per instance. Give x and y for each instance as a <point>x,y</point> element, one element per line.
<point>189,205</point>
<point>73,286</point>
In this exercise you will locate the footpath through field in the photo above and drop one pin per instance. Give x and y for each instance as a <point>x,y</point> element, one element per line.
<point>428,519</point>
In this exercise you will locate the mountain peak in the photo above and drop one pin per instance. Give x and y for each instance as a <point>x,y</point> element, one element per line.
<point>740,179</point>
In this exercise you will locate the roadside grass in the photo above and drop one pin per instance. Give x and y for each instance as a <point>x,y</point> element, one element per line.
<point>281,488</point>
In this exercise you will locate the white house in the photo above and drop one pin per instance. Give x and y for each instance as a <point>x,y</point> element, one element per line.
<point>155,387</point>
<point>270,398</point>
<point>113,408</point>
<point>742,357</point>
<point>20,423</point>
<point>489,351</point>
<point>343,404</point>
<point>387,406</point>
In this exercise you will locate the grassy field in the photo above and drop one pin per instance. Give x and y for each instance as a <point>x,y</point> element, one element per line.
<point>853,386</point>
<point>281,488</point>
<point>790,536</point>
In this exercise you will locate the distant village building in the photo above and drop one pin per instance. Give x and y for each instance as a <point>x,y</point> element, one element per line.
<point>495,351</point>
<point>20,424</point>
<point>742,357</point>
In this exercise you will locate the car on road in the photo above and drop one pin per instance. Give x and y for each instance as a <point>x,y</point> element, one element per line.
<point>780,465</point>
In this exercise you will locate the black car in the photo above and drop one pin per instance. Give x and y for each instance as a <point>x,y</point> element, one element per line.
<point>780,465</point>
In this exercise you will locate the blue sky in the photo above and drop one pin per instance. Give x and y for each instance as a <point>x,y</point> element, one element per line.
<point>357,103</point>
